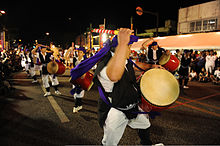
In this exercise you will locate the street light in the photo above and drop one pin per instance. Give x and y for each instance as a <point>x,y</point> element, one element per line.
<point>140,11</point>
<point>2,12</point>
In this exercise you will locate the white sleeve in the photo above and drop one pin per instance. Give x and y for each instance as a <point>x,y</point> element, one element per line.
<point>103,74</point>
<point>105,81</point>
<point>215,73</point>
<point>38,56</point>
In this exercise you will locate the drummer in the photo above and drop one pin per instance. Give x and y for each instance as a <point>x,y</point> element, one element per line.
<point>45,57</point>
<point>77,91</point>
<point>115,75</point>
<point>155,52</point>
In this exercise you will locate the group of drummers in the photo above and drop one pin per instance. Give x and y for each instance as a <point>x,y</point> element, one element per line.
<point>120,94</point>
<point>44,59</point>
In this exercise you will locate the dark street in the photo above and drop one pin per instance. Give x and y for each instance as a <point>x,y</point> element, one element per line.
<point>29,118</point>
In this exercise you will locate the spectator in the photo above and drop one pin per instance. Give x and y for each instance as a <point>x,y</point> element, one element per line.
<point>216,77</point>
<point>203,76</point>
<point>178,54</point>
<point>201,62</point>
<point>193,76</point>
<point>210,62</point>
<point>184,69</point>
<point>142,57</point>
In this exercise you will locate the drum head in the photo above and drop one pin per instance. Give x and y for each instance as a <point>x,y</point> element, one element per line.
<point>164,59</point>
<point>159,87</point>
<point>52,67</point>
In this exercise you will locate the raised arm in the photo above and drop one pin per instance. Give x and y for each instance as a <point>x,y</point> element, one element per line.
<point>116,65</point>
<point>35,49</point>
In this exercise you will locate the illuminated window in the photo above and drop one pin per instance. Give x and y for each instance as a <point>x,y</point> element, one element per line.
<point>212,24</point>
<point>205,22</point>
<point>198,25</point>
<point>192,26</point>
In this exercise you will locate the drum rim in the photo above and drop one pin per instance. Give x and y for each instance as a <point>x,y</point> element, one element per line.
<point>178,67</point>
<point>158,105</point>
<point>168,58</point>
<point>153,103</point>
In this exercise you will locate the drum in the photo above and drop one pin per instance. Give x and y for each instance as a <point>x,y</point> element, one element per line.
<point>54,67</point>
<point>159,90</point>
<point>85,82</point>
<point>170,62</point>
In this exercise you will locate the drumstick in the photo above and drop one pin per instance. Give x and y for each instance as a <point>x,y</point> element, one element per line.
<point>147,43</point>
<point>44,46</point>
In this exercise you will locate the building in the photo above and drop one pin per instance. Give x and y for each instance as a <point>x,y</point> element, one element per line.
<point>168,29</point>
<point>203,17</point>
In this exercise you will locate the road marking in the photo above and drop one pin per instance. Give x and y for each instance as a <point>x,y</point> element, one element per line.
<point>205,104</point>
<point>201,98</point>
<point>199,109</point>
<point>20,79</point>
<point>56,107</point>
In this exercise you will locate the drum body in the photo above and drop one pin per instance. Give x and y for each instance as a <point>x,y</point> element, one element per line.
<point>170,62</point>
<point>54,67</point>
<point>159,90</point>
<point>61,68</point>
<point>85,82</point>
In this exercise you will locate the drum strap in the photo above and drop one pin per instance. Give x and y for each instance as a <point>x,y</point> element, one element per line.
<point>102,95</point>
<point>136,65</point>
<point>152,114</point>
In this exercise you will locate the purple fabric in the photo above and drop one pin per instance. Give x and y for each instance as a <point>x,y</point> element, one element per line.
<point>136,65</point>
<point>87,64</point>
<point>103,96</point>
<point>152,114</point>
<point>82,49</point>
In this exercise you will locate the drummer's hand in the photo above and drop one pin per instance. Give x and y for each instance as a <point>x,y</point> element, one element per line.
<point>124,36</point>
<point>157,66</point>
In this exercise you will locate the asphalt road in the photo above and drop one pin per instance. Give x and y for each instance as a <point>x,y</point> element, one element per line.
<point>29,118</point>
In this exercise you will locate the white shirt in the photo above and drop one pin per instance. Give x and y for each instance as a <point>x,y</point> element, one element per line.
<point>155,54</point>
<point>78,61</point>
<point>107,84</point>
<point>217,73</point>
<point>210,59</point>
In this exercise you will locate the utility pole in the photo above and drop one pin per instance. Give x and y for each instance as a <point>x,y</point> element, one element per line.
<point>132,26</point>
<point>140,11</point>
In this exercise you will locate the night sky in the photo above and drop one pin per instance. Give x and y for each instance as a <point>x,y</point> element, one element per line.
<point>64,20</point>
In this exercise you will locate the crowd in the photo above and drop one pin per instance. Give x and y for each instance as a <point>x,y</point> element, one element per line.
<point>202,66</point>
<point>10,62</point>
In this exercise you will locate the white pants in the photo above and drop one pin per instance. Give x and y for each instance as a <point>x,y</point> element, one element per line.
<point>27,66</point>
<point>209,67</point>
<point>37,67</point>
<point>45,80</point>
<point>22,63</point>
<point>80,95</point>
<point>116,123</point>
<point>32,71</point>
